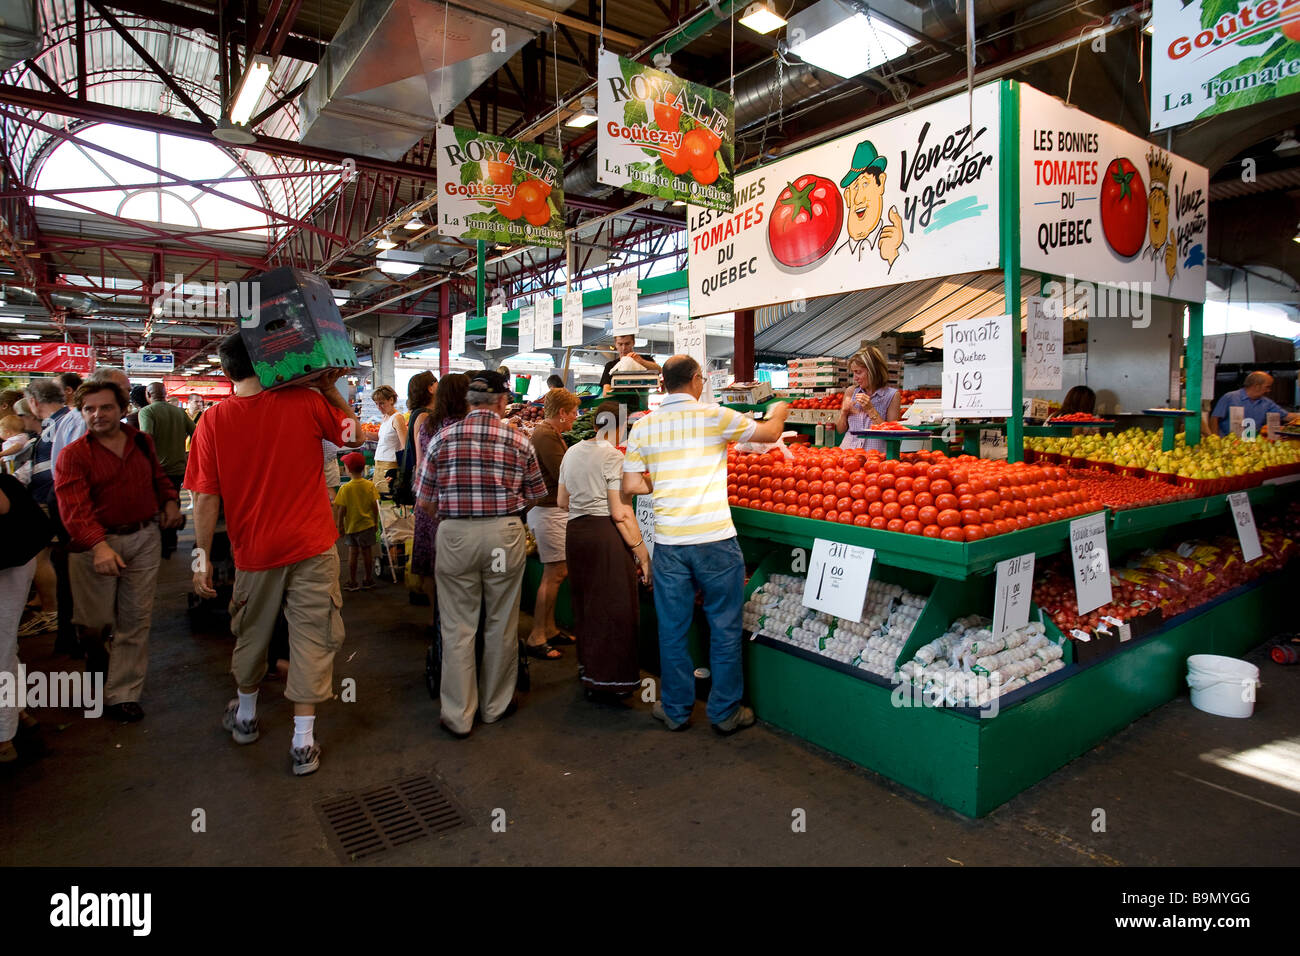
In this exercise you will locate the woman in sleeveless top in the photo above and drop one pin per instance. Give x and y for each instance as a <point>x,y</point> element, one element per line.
<point>869,401</point>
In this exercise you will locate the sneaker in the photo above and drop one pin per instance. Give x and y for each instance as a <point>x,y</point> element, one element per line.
<point>740,718</point>
<point>244,731</point>
<point>39,623</point>
<point>658,713</point>
<point>305,759</point>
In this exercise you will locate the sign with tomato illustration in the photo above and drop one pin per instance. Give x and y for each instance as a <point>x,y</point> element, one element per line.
<point>1102,205</point>
<point>499,190</point>
<point>663,136</point>
<point>1212,56</point>
<point>914,197</point>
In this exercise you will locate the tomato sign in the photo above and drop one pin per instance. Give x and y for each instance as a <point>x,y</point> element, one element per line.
<point>1102,205</point>
<point>1123,207</point>
<point>806,222</point>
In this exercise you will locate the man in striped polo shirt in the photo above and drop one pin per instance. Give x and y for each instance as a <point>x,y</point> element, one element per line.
<point>679,455</point>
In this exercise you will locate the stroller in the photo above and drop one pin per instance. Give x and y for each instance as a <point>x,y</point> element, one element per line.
<point>396,530</point>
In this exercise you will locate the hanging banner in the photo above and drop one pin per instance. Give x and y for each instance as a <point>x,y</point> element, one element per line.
<point>148,363</point>
<point>1043,348</point>
<point>914,197</point>
<point>663,136</point>
<point>544,323</point>
<point>183,386</point>
<point>525,327</point>
<point>623,298</point>
<point>494,317</point>
<point>1105,206</point>
<point>1212,56</point>
<point>571,332</point>
<point>46,357</point>
<point>499,190</point>
<point>458,333</point>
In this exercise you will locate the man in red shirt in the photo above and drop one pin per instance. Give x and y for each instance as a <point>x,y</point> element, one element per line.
<point>258,455</point>
<point>110,488</point>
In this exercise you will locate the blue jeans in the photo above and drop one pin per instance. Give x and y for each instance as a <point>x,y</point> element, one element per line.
<point>718,570</point>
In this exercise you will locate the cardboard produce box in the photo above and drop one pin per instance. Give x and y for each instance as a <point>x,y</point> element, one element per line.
<point>299,331</point>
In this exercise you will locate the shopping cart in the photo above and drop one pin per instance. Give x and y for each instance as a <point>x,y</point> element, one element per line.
<point>396,531</point>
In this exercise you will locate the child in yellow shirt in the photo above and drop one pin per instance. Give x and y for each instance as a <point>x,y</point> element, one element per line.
<point>357,508</point>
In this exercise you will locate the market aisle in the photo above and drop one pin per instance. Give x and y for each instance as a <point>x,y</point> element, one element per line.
<point>583,784</point>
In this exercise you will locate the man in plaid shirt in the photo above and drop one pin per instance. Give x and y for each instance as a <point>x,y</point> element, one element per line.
<point>478,477</point>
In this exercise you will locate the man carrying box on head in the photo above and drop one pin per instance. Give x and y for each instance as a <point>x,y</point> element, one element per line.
<point>259,455</point>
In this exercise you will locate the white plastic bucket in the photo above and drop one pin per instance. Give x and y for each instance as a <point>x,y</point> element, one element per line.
<point>1223,686</point>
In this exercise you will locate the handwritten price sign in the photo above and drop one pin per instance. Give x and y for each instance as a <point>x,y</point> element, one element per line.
<point>645,519</point>
<point>977,357</point>
<point>1012,592</point>
<point>1243,516</point>
<point>837,580</point>
<point>1043,344</point>
<point>494,317</point>
<point>1091,559</point>
<point>688,339</point>
<point>571,333</point>
<point>458,332</point>
<point>624,298</point>
<point>544,323</point>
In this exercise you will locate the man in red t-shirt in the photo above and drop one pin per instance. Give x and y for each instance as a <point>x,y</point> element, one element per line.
<point>258,454</point>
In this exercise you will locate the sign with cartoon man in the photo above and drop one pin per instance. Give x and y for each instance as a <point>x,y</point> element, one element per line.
<point>864,204</point>
<point>1161,248</point>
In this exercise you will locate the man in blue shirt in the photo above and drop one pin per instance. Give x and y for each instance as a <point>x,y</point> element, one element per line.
<point>1254,403</point>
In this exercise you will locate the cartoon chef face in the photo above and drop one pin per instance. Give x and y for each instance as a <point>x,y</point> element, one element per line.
<point>864,191</point>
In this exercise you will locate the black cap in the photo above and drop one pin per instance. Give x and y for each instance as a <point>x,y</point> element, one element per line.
<point>490,383</point>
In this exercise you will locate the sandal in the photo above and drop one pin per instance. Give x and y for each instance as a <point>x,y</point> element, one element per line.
<point>352,587</point>
<point>560,639</point>
<point>543,652</point>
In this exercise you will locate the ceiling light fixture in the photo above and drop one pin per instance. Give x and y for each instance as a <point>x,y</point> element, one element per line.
<point>762,17</point>
<point>843,40</point>
<point>397,265</point>
<point>12,319</point>
<point>1287,144</point>
<point>251,88</point>
<point>386,242</point>
<point>414,223</point>
<point>585,117</point>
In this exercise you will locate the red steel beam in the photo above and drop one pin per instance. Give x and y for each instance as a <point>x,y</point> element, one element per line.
<point>285,26</point>
<point>19,192</point>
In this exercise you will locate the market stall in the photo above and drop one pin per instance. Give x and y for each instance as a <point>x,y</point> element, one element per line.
<point>965,626</point>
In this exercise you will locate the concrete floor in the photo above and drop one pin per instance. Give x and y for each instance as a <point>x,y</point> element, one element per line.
<point>593,784</point>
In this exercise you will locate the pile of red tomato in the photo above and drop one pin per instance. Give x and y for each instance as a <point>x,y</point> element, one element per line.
<point>1120,491</point>
<point>1079,417</point>
<point>924,493</point>
<point>1054,592</point>
<point>834,400</point>
<point>908,395</point>
<point>891,427</point>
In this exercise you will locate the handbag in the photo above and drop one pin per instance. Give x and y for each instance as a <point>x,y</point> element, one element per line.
<point>402,487</point>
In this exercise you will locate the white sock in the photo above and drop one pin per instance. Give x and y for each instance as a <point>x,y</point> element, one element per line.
<point>302,731</point>
<point>247,706</point>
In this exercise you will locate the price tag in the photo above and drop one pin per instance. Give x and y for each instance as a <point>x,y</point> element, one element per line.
<point>526,322</point>
<point>544,323</point>
<point>1274,424</point>
<point>1125,632</point>
<point>1011,594</point>
<point>688,339</point>
<point>494,316</point>
<point>837,580</point>
<point>1043,343</point>
<point>1236,418</point>
<point>458,333</point>
<point>624,297</point>
<point>571,331</point>
<point>1244,517</point>
<point>1091,562</point>
<point>977,357</point>
<point>645,519</point>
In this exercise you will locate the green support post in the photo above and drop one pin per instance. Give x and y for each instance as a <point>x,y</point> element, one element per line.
<point>480,280</point>
<point>1195,353</point>
<point>1169,437</point>
<point>1009,221</point>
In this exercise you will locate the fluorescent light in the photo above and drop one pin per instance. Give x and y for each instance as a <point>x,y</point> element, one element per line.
<point>761,18</point>
<point>251,89</point>
<point>414,223</point>
<point>214,358</point>
<point>679,202</point>
<point>585,117</point>
<point>12,319</point>
<point>27,335</point>
<point>395,267</point>
<point>341,296</point>
<point>615,259</point>
<point>386,242</point>
<point>845,41</point>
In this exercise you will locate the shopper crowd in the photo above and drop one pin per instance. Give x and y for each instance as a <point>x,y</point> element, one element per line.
<point>90,507</point>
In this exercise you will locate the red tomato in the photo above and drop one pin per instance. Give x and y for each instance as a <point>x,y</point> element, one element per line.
<point>846,517</point>
<point>952,534</point>
<point>949,518</point>
<point>903,483</point>
<point>832,515</point>
<point>879,523</point>
<point>972,532</point>
<point>927,515</point>
<point>891,510</point>
<point>970,516</point>
<point>913,527</point>
<point>872,493</point>
<point>859,507</point>
<point>896,524</point>
<point>908,512</point>
<point>923,499</point>
<point>1123,207</point>
<point>733,500</point>
<point>817,514</point>
<point>501,173</point>
<point>945,501</point>
<point>805,221</point>
<point>931,531</point>
<point>888,495</point>
<point>858,491</point>
<point>804,512</point>
<point>876,509</point>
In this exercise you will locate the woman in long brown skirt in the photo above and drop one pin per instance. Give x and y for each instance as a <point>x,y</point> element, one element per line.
<point>605,555</point>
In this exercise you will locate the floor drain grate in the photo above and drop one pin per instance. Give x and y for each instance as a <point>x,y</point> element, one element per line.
<point>366,822</point>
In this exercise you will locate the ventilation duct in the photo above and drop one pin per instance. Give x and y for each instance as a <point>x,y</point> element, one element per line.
<point>19,37</point>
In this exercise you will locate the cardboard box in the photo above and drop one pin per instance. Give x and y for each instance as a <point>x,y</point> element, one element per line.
<point>746,393</point>
<point>299,331</point>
